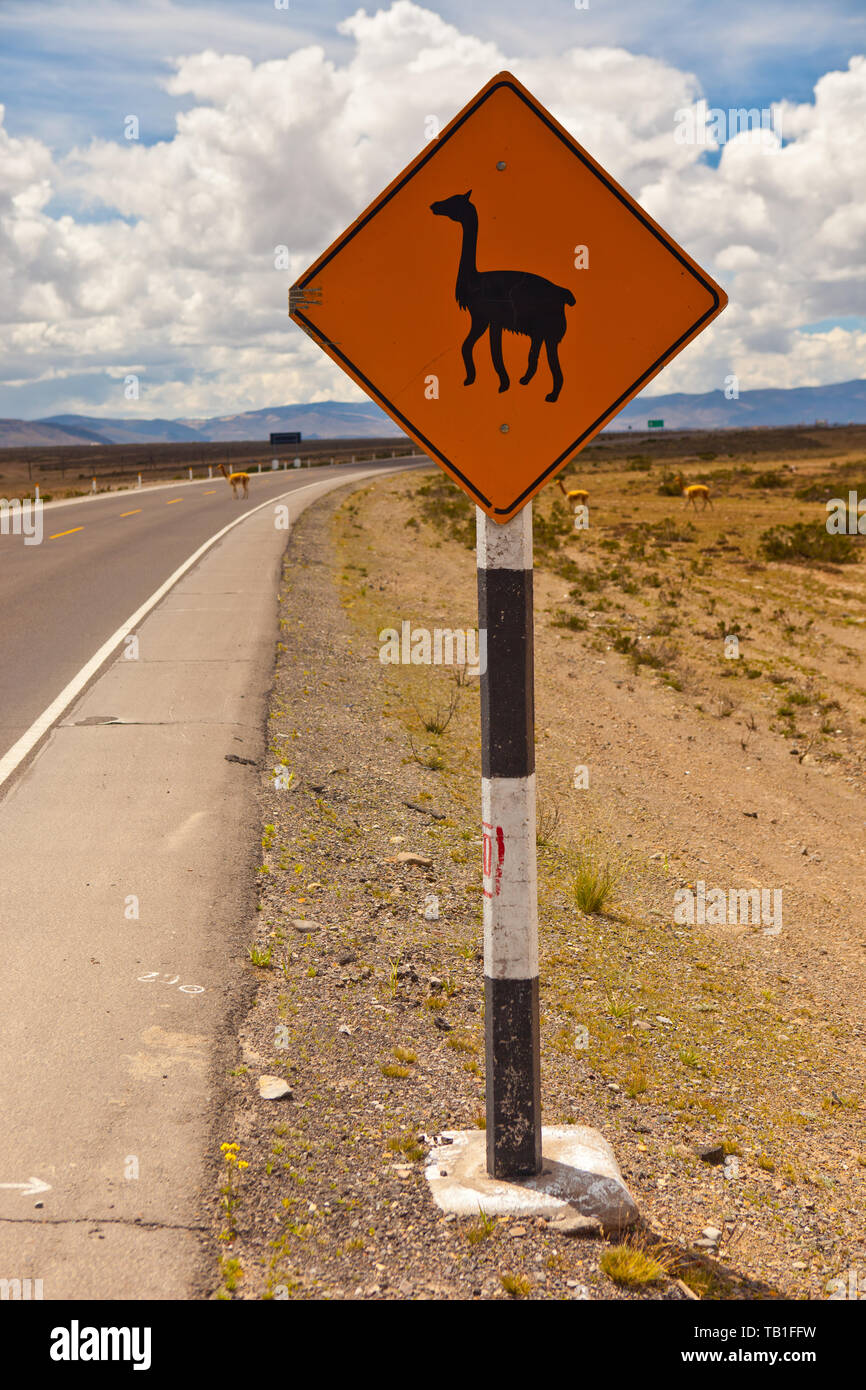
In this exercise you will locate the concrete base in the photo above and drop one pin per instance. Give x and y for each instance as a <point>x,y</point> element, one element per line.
<point>579,1171</point>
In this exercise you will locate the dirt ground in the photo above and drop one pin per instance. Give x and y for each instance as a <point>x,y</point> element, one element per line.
<point>738,765</point>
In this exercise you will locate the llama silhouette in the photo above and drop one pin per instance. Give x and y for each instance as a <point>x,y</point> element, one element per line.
<point>514,301</point>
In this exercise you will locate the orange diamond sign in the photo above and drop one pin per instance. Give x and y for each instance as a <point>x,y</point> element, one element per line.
<point>504,298</point>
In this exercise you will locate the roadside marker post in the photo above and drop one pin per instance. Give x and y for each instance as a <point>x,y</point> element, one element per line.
<point>496,204</point>
<point>511,1018</point>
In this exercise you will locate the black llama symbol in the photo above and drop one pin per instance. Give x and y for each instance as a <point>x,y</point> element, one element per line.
<point>513,300</point>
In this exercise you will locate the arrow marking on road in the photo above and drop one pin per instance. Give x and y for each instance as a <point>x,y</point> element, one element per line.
<point>29,1188</point>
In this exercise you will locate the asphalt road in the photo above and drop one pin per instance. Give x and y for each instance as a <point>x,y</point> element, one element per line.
<point>99,560</point>
<point>128,849</point>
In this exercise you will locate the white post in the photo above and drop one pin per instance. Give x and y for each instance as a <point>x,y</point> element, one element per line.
<point>510,888</point>
<point>139,480</point>
<point>190,475</point>
<point>93,485</point>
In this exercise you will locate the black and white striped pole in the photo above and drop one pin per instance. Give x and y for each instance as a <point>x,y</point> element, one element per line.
<point>512,1046</point>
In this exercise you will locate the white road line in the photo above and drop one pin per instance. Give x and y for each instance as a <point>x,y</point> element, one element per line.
<point>40,726</point>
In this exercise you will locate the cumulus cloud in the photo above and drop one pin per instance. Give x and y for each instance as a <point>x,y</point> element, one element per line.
<point>167,259</point>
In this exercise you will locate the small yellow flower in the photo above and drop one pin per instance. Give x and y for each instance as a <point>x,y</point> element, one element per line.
<point>243,1164</point>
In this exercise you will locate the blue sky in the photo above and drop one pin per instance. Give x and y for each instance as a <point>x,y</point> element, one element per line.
<point>70,73</point>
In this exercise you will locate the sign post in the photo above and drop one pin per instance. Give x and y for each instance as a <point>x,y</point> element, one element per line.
<point>511,1023</point>
<point>549,299</point>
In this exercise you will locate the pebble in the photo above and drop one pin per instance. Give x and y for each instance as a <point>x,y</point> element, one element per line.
<point>274,1088</point>
<point>713,1153</point>
<point>443,1024</point>
<point>426,810</point>
<point>345,1030</point>
<point>348,958</point>
<point>571,1222</point>
<point>305,924</point>
<point>660,1018</point>
<point>711,1233</point>
<point>517,1231</point>
<point>407,857</point>
<point>435,984</point>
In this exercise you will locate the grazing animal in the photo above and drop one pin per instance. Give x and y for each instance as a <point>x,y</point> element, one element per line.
<point>514,301</point>
<point>577,495</point>
<point>237,480</point>
<point>694,493</point>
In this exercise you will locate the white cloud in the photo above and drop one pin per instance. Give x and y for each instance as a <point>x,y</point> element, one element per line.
<point>288,151</point>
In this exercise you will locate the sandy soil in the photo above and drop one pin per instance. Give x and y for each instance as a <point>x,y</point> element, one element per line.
<point>741,771</point>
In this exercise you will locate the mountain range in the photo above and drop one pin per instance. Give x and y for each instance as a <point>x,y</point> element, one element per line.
<point>842,402</point>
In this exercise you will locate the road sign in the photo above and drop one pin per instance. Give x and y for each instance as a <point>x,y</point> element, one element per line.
<point>503,298</point>
<point>655,424</point>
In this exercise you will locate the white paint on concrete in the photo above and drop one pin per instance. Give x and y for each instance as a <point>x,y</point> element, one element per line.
<point>504,546</point>
<point>510,893</point>
<point>579,1170</point>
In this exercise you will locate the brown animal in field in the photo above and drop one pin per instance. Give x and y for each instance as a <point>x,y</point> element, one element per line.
<point>694,493</point>
<point>576,495</point>
<point>237,480</point>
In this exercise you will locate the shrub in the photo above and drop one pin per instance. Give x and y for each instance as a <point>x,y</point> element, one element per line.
<point>807,541</point>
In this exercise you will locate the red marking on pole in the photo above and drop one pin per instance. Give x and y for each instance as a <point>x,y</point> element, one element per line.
<point>500,858</point>
<point>486,856</point>
<point>492,875</point>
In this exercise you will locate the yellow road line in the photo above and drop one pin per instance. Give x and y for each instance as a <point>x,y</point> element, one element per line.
<point>173,500</point>
<point>209,493</point>
<point>135,513</point>
<point>66,533</point>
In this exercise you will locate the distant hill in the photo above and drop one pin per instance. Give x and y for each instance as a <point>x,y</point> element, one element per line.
<point>321,420</point>
<point>842,403</point>
<point>132,431</point>
<point>34,433</point>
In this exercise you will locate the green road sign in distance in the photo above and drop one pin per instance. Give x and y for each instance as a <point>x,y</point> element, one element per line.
<point>655,424</point>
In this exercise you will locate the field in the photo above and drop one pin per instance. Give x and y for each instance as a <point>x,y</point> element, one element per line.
<point>733,764</point>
